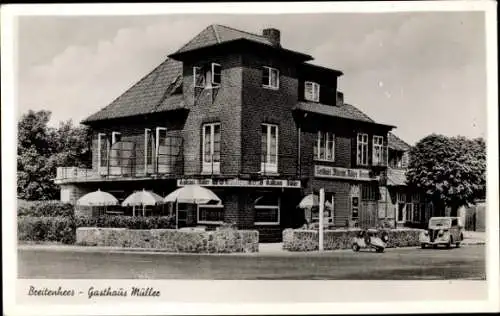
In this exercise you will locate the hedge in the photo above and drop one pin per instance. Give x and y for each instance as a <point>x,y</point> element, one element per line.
<point>63,229</point>
<point>58,229</point>
<point>44,208</point>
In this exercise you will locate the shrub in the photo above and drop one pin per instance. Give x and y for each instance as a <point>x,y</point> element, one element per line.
<point>58,229</point>
<point>63,228</point>
<point>44,209</point>
<point>161,222</point>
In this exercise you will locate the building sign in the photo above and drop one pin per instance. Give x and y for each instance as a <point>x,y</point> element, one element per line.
<point>272,183</point>
<point>342,173</point>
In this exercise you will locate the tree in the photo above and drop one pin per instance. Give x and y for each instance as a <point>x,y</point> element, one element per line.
<point>450,170</point>
<point>41,149</point>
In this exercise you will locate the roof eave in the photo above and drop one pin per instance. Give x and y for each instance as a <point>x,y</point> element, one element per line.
<point>181,55</point>
<point>89,121</point>
<point>390,127</point>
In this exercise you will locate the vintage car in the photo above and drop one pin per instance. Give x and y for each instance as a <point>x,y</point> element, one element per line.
<point>368,239</point>
<point>444,231</point>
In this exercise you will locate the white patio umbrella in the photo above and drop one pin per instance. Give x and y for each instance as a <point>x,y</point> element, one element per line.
<point>310,201</point>
<point>142,198</point>
<point>97,198</point>
<point>191,194</point>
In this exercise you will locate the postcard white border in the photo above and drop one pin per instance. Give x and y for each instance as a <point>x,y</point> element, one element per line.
<point>390,289</point>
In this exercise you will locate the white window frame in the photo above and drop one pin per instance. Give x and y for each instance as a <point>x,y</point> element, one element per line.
<point>208,206</point>
<point>198,71</point>
<point>210,167</point>
<point>101,136</point>
<point>269,84</point>
<point>214,84</point>
<point>314,91</point>
<point>113,137</point>
<point>378,143</point>
<point>330,138</point>
<point>364,149</point>
<point>266,207</point>
<point>267,166</point>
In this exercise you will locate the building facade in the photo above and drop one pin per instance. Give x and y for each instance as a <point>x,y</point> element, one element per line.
<point>257,124</point>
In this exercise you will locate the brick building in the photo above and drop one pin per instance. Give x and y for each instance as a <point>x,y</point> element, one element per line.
<point>254,122</point>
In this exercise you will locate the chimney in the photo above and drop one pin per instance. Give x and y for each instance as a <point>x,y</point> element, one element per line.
<point>340,98</point>
<point>273,35</point>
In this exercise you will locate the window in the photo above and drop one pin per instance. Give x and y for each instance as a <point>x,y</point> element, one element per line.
<point>270,78</point>
<point>149,150</point>
<point>208,76</point>
<point>311,91</point>
<point>269,159</point>
<point>116,137</point>
<point>216,74</point>
<point>161,150</point>
<point>324,149</point>
<point>405,160</point>
<point>115,154</point>
<point>102,152</point>
<point>370,192</point>
<point>198,77</point>
<point>211,148</point>
<point>267,209</point>
<point>362,150</point>
<point>379,159</point>
<point>409,212</point>
<point>210,214</point>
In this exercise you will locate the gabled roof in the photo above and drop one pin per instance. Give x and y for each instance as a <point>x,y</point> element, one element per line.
<point>151,94</point>
<point>216,34</point>
<point>397,143</point>
<point>346,111</point>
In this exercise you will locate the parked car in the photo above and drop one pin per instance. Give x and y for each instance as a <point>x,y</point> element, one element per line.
<point>445,231</point>
<point>368,239</point>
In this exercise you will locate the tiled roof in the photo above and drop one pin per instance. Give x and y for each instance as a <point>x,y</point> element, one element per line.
<point>153,93</point>
<point>216,34</point>
<point>396,177</point>
<point>397,143</point>
<point>346,111</point>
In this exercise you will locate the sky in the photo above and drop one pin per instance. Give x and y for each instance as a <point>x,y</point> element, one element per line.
<point>424,72</point>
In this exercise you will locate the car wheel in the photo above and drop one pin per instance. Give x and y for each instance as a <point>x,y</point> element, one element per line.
<point>355,247</point>
<point>423,246</point>
<point>457,244</point>
<point>450,241</point>
<point>379,250</point>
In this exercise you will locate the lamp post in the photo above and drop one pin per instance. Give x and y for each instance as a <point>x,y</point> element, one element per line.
<point>321,217</point>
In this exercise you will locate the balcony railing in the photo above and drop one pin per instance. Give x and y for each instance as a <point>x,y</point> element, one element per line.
<point>124,161</point>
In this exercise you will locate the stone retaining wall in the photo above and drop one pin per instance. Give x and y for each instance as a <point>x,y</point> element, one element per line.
<point>308,240</point>
<point>171,240</point>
